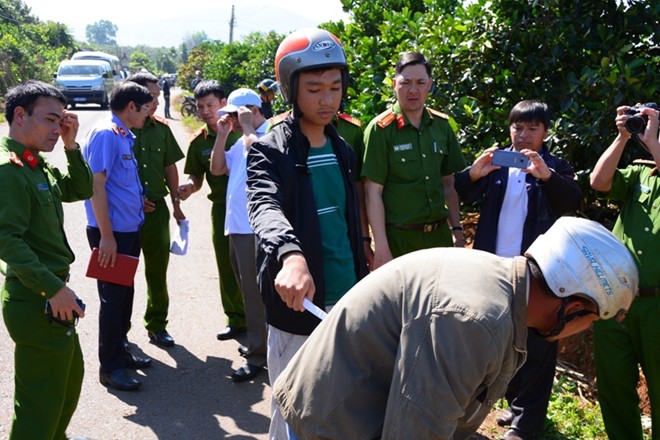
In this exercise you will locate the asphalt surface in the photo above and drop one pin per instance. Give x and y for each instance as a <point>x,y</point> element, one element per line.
<point>187,392</point>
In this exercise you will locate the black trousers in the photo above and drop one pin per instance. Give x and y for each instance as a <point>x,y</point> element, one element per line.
<point>529,391</point>
<point>116,304</point>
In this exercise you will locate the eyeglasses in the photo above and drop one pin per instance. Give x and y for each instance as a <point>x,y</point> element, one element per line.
<point>145,107</point>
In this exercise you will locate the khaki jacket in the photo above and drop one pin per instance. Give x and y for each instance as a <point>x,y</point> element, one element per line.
<point>421,348</point>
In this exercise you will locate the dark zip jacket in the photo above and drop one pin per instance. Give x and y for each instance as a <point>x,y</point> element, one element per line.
<point>546,201</point>
<point>283,216</point>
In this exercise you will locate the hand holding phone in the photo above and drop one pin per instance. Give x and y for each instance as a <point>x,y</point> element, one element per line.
<point>511,159</point>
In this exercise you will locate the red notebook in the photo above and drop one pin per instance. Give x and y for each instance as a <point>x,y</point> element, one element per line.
<point>123,273</point>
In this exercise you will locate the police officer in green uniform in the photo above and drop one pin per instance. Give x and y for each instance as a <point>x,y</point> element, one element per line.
<point>410,157</point>
<point>48,361</point>
<point>622,348</point>
<point>156,152</point>
<point>210,97</point>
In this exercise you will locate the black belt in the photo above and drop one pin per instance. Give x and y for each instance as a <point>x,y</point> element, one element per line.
<point>423,227</point>
<point>649,291</point>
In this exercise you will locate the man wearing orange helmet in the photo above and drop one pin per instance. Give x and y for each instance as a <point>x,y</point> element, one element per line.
<point>302,200</point>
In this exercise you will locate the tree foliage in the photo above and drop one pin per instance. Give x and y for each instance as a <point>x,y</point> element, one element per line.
<point>29,49</point>
<point>583,58</point>
<point>140,60</point>
<point>101,32</point>
<point>234,65</point>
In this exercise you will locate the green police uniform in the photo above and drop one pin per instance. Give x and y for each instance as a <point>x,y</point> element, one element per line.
<point>198,164</point>
<point>621,348</point>
<point>155,148</point>
<point>48,360</point>
<point>409,163</point>
<point>350,129</point>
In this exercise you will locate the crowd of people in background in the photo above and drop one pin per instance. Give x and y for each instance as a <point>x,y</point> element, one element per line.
<point>311,211</point>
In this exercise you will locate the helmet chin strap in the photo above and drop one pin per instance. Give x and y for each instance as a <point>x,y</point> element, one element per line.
<point>563,319</point>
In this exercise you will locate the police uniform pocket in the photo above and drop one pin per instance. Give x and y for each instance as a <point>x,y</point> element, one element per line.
<point>156,155</point>
<point>128,169</point>
<point>404,164</point>
<point>43,196</point>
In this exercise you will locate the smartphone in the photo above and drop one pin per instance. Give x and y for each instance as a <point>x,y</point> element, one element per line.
<point>49,310</point>
<point>513,159</point>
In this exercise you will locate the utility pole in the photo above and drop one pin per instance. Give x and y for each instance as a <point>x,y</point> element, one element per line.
<point>232,22</point>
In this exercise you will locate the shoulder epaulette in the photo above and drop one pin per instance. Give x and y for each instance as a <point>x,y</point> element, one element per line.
<point>278,119</point>
<point>117,129</point>
<point>386,118</point>
<point>433,112</point>
<point>649,163</point>
<point>13,158</point>
<point>200,132</point>
<point>160,119</point>
<point>350,119</point>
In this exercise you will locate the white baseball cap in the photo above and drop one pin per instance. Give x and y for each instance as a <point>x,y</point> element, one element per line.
<point>240,98</point>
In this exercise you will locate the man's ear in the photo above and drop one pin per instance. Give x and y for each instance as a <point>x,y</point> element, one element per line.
<point>578,304</point>
<point>223,102</point>
<point>19,115</point>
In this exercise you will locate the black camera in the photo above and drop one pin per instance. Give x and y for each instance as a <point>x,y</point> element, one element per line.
<point>637,122</point>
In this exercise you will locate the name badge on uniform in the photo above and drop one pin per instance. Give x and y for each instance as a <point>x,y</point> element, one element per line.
<point>207,152</point>
<point>403,147</point>
<point>42,187</point>
<point>127,156</point>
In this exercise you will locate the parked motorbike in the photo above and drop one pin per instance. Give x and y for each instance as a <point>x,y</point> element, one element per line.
<point>189,107</point>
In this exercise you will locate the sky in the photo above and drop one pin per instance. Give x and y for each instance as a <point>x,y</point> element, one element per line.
<point>158,23</point>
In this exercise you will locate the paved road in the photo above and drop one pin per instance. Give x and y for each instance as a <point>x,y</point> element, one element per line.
<point>187,393</point>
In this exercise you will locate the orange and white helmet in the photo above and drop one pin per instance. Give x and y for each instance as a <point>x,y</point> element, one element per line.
<point>307,49</point>
<point>581,257</point>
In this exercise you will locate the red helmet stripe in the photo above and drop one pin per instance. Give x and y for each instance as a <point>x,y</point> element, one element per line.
<point>289,45</point>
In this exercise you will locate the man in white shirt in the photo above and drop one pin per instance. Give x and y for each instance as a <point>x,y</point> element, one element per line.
<point>242,113</point>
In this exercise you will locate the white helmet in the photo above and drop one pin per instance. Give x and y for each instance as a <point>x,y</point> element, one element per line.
<point>581,257</point>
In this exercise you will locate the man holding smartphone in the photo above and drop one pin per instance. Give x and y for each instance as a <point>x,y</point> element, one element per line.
<point>519,204</point>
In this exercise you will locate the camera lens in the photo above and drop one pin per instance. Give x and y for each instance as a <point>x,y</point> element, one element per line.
<point>636,124</point>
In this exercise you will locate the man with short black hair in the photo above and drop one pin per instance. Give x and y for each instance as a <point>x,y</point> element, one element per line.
<point>114,217</point>
<point>157,151</point>
<point>411,154</point>
<point>210,97</point>
<point>517,205</point>
<point>36,257</point>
